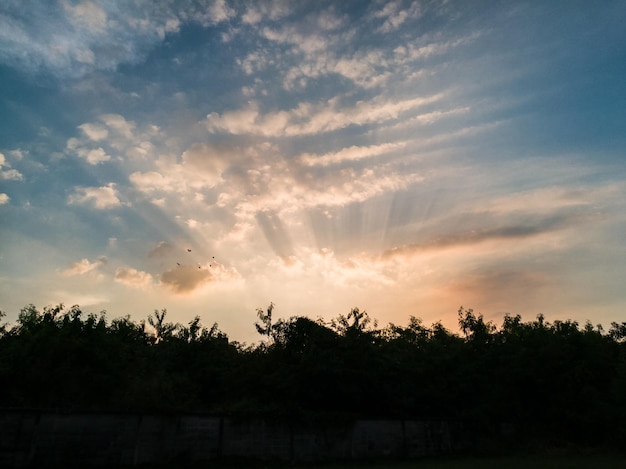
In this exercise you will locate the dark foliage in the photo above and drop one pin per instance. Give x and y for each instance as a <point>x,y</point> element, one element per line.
<point>555,380</point>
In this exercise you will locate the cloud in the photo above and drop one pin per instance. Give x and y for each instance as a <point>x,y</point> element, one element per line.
<point>7,173</point>
<point>258,11</point>
<point>174,178</point>
<point>317,44</point>
<point>499,288</point>
<point>73,298</point>
<point>113,134</point>
<point>201,167</point>
<point>163,249</point>
<point>100,197</point>
<point>185,278</point>
<point>527,226</point>
<point>310,119</point>
<point>209,12</point>
<point>119,124</point>
<point>152,181</point>
<point>132,277</point>
<point>84,266</point>
<point>394,15</point>
<point>4,199</point>
<point>353,153</point>
<point>210,160</point>
<point>71,39</point>
<point>93,156</point>
<point>94,132</point>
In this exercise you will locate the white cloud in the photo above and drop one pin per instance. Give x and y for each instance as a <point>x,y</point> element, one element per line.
<point>4,199</point>
<point>100,197</point>
<point>132,277</point>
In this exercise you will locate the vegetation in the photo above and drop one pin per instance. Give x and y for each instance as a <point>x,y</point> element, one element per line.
<point>552,382</point>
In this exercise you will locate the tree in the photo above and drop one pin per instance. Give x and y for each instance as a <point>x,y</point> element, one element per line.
<point>163,329</point>
<point>265,327</point>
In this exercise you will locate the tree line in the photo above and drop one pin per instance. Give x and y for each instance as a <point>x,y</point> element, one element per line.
<point>558,379</point>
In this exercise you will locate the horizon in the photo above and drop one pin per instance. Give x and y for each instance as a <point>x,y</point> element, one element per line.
<point>402,157</point>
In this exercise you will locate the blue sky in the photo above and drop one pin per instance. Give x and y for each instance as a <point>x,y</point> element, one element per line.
<point>406,158</point>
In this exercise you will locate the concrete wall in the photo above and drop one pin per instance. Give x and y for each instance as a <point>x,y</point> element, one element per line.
<point>48,439</point>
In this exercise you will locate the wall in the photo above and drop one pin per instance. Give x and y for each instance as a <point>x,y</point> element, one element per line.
<point>48,439</point>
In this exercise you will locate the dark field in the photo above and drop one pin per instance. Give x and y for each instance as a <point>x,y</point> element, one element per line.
<point>613,461</point>
<point>586,462</point>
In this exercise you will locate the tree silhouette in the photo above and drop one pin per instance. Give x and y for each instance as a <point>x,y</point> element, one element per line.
<point>550,379</point>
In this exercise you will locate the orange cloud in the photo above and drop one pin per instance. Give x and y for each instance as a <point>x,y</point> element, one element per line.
<point>84,265</point>
<point>186,278</point>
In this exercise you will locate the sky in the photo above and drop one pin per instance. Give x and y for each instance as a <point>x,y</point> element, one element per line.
<point>403,157</point>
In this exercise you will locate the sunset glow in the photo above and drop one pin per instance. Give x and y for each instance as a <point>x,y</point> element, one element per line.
<point>403,157</point>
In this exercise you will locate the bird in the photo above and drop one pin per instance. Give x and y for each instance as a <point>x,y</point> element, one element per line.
<point>178,263</point>
<point>188,250</point>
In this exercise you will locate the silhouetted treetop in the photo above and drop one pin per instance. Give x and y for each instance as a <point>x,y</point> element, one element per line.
<point>556,376</point>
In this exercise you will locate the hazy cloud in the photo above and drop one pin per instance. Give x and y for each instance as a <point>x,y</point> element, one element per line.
<point>84,266</point>
<point>532,226</point>
<point>163,249</point>
<point>132,277</point>
<point>276,234</point>
<point>501,288</point>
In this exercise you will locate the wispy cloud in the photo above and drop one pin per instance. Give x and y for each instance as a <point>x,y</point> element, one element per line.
<point>71,40</point>
<point>352,153</point>
<point>394,15</point>
<point>308,118</point>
